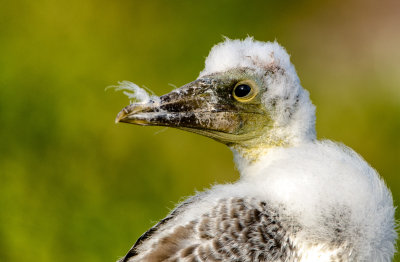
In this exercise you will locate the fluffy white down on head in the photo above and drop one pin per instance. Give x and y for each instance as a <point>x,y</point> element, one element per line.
<point>288,103</point>
<point>246,53</point>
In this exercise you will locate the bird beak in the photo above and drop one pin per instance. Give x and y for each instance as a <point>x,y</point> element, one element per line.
<point>201,107</point>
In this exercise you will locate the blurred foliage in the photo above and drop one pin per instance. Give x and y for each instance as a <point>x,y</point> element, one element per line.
<point>76,187</point>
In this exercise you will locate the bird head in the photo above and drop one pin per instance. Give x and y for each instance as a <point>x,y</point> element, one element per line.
<point>248,97</point>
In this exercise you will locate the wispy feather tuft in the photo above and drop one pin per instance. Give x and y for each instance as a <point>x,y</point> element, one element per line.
<point>135,93</point>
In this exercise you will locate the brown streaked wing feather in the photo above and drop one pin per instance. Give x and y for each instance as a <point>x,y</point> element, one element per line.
<point>153,230</point>
<point>235,229</point>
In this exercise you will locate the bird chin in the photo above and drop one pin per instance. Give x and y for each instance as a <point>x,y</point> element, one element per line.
<point>222,137</point>
<point>226,134</point>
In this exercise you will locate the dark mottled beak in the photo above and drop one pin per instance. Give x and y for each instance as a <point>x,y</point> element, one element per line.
<point>205,106</point>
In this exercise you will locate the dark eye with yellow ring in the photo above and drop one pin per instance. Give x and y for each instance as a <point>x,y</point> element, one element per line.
<point>242,90</point>
<point>245,90</point>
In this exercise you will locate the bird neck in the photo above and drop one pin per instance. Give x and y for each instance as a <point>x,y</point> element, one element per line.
<point>250,152</point>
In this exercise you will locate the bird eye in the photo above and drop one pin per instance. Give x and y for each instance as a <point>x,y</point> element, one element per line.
<point>244,91</point>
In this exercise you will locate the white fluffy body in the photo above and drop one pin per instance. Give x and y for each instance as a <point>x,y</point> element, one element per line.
<point>323,181</point>
<point>322,186</point>
<point>317,184</point>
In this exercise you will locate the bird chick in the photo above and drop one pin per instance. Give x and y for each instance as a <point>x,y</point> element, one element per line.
<point>298,199</point>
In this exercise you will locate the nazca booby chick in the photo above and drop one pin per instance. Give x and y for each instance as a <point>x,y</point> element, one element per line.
<point>298,199</point>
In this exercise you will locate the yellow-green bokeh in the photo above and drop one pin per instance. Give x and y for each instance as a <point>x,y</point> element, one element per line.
<point>76,187</point>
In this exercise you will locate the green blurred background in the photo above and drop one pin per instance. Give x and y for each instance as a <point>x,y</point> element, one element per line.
<point>76,187</point>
